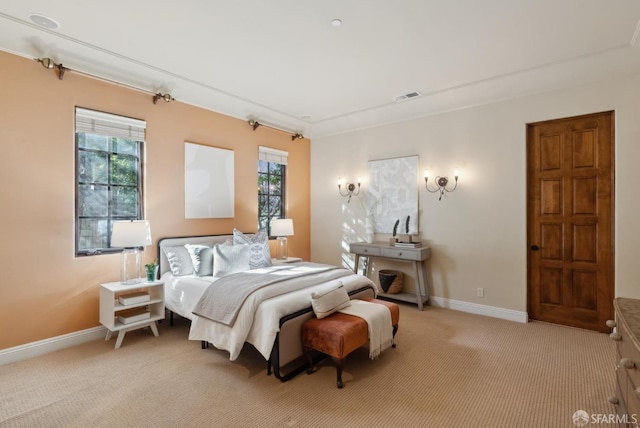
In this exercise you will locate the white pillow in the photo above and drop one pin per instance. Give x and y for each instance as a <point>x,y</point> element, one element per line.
<point>259,242</point>
<point>327,302</point>
<point>228,259</point>
<point>201,258</point>
<point>179,260</point>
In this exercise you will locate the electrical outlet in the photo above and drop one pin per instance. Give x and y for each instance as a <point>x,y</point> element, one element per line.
<point>480,292</point>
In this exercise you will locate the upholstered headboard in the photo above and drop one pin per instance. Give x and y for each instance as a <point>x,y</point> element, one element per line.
<point>181,240</point>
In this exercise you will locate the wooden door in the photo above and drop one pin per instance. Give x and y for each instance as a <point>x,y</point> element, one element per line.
<point>570,221</point>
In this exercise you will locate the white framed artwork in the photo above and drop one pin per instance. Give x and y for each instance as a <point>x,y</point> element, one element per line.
<point>209,187</point>
<point>392,194</point>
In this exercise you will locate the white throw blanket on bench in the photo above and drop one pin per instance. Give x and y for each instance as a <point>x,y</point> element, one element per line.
<point>378,318</point>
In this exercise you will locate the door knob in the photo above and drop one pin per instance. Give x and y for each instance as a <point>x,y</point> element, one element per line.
<point>534,247</point>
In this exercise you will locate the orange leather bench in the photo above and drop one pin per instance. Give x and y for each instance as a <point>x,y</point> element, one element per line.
<point>340,334</point>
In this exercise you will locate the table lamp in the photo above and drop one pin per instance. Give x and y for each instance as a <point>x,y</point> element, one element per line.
<point>130,234</point>
<point>282,227</point>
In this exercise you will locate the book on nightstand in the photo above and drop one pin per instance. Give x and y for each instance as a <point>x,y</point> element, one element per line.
<point>133,315</point>
<point>133,298</point>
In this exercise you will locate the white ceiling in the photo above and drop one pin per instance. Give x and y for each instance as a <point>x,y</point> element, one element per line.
<point>278,61</point>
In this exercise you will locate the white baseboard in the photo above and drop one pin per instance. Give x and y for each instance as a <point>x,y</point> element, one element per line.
<point>45,346</point>
<point>474,308</point>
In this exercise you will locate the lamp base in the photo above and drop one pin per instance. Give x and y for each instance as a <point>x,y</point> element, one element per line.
<point>282,251</point>
<point>130,268</point>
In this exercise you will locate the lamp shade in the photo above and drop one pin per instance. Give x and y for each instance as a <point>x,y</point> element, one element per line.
<point>282,227</point>
<point>130,233</point>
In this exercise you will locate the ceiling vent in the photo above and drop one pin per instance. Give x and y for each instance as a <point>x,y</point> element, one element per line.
<point>408,96</point>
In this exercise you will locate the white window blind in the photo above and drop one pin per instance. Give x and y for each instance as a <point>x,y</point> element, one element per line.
<point>97,122</point>
<point>272,155</point>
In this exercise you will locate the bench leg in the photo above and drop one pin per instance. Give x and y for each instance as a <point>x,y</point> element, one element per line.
<point>307,353</point>
<point>395,330</point>
<point>339,363</point>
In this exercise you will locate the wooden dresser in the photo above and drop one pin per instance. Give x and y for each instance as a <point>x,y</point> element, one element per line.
<point>626,334</point>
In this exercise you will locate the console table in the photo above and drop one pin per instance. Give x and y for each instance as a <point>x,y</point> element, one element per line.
<point>416,256</point>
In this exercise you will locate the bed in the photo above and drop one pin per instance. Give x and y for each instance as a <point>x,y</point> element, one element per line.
<point>269,321</point>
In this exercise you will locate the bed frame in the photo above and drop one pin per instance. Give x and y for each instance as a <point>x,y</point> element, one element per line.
<point>287,357</point>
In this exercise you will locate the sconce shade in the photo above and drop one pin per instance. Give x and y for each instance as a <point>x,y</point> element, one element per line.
<point>130,233</point>
<point>282,227</point>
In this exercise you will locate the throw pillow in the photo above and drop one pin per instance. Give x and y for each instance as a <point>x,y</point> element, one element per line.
<point>228,259</point>
<point>179,260</point>
<point>201,258</point>
<point>259,247</point>
<point>327,302</point>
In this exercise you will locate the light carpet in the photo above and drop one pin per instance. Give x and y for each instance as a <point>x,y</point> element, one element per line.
<point>450,369</point>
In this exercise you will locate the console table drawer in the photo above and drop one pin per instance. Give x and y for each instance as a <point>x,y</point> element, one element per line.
<point>401,253</point>
<point>364,249</point>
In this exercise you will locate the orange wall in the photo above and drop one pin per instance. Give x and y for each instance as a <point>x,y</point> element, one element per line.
<point>45,291</point>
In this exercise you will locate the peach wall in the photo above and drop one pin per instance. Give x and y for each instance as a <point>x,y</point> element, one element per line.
<point>46,291</point>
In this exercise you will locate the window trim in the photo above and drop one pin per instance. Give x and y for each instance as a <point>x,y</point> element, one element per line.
<point>271,155</point>
<point>129,129</point>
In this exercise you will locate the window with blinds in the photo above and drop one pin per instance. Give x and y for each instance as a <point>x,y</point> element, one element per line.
<point>272,165</point>
<point>109,153</point>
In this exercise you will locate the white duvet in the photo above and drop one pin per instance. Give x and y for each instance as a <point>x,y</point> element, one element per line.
<point>258,321</point>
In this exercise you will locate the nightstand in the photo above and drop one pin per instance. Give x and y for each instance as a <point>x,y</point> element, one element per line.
<point>126,307</point>
<point>287,260</point>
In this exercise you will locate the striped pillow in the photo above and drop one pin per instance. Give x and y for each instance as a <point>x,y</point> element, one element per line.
<point>327,302</point>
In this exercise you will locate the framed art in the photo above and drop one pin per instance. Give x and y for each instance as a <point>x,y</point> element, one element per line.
<point>392,194</point>
<point>208,182</point>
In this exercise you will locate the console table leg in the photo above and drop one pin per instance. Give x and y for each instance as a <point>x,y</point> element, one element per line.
<point>425,279</point>
<point>418,285</point>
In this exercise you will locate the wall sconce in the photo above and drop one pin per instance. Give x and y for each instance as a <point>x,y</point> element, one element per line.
<point>49,64</point>
<point>350,188</point>
<point>167,97</point>
<point>298,136</point>
<point>441,182</point>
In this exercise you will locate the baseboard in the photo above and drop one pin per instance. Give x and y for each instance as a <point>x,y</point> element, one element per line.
<point>45,346</point>
<point>474,308</point>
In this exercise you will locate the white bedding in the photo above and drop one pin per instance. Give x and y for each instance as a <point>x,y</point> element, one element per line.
<point>258,321</point>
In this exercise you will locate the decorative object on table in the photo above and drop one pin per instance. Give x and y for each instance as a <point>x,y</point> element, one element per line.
<point>130,235</point>
<point>391,281</point>
<point>441,183</point>
<point>407,239</point>
<point>282,227</point>
<point>393,239</point>
<point>151,269</point>
<point>393,183</point>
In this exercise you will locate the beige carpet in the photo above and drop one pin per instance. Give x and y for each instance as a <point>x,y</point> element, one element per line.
<point>450,369</point>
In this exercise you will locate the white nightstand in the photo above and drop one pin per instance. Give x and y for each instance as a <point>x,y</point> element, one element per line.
<point>287,260</point>
<point>112,311</point>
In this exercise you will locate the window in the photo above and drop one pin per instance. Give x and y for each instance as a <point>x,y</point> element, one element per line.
<point>272,165</point>
<point>109,157</point>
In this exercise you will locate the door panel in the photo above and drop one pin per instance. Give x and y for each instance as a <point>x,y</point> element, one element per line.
<point>570,220</point>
